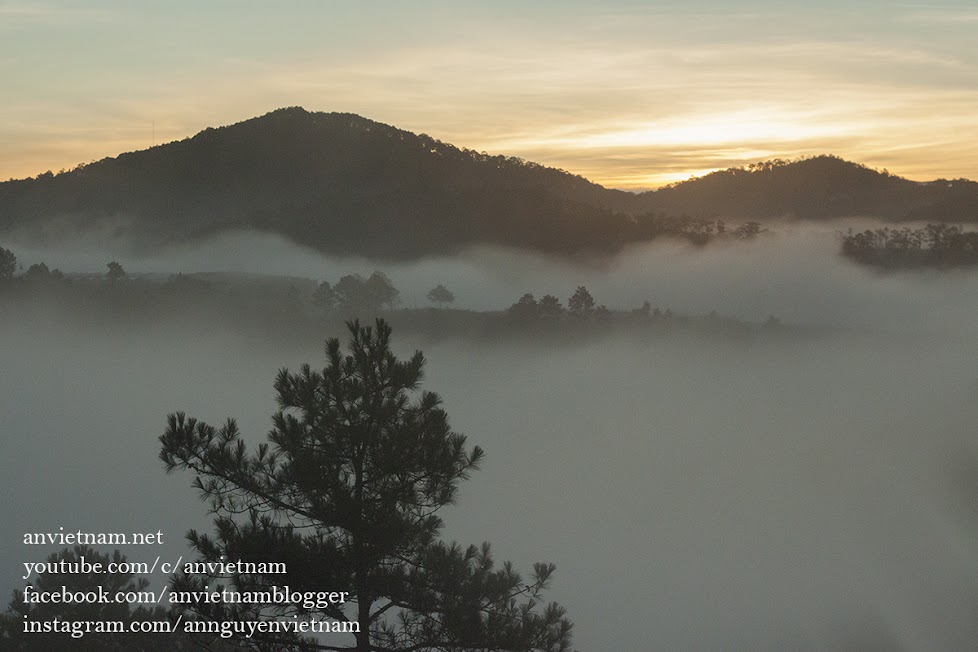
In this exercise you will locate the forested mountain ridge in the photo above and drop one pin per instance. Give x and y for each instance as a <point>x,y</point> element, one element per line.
<point>338,182</point>
<point>344,184</point>
<point>817,188</point>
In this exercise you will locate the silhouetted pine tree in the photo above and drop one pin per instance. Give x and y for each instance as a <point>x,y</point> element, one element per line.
<point>346,492</point>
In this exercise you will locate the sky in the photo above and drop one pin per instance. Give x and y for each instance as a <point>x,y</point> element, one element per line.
<point>629,94</point>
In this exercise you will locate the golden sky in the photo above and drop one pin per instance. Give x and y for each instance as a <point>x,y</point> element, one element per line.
<point>629,94</point>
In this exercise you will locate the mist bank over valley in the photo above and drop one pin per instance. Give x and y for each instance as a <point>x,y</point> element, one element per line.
<point>806,485</point>
<point>801,492</point>
<point>794,274</point>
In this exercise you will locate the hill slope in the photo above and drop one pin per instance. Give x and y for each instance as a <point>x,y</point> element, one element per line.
<point>338,182</point>
<point>822,187</point>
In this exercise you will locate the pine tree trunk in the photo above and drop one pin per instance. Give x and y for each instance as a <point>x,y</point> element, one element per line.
<point>363,616</point>
<point>363,592</point>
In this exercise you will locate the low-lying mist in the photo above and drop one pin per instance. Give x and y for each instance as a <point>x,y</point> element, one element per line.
<point>695,491</point>
<point>794,273</point>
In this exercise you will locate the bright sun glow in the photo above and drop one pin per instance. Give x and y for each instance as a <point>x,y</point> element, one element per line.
<point>665,178</point>
<point>740,127</point>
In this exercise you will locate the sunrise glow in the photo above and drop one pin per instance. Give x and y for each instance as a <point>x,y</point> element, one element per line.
<point>638,97</point>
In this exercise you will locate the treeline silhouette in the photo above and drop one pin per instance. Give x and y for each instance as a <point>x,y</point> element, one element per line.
<point>650,226</point>
<point>293,307</point>
<point>934,245</point>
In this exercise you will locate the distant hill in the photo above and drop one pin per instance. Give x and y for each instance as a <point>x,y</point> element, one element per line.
<point>338,182</point>
<point>818,188</point>
<point>348,185</point>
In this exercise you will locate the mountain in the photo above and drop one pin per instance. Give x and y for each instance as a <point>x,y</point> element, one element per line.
<point>338,182</point>
<point>818,188</point>
<point>348,185</point>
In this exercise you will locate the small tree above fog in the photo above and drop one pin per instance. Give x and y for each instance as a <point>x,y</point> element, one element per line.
<point>550,307</point>
<point>37,273</point>
<point>440,295</point>
<point>115,273</point>
<point>355,294</point>
<point>381,292</point>
<point>645,311</point>
<point>581,304</point>
<point>346,492</point>
<point>525,308</point>
<point>323,297</point>
<point>8,264</point>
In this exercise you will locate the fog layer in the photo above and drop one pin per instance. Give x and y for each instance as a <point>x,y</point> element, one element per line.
<point>794,273</point>
<point>801,492</point>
